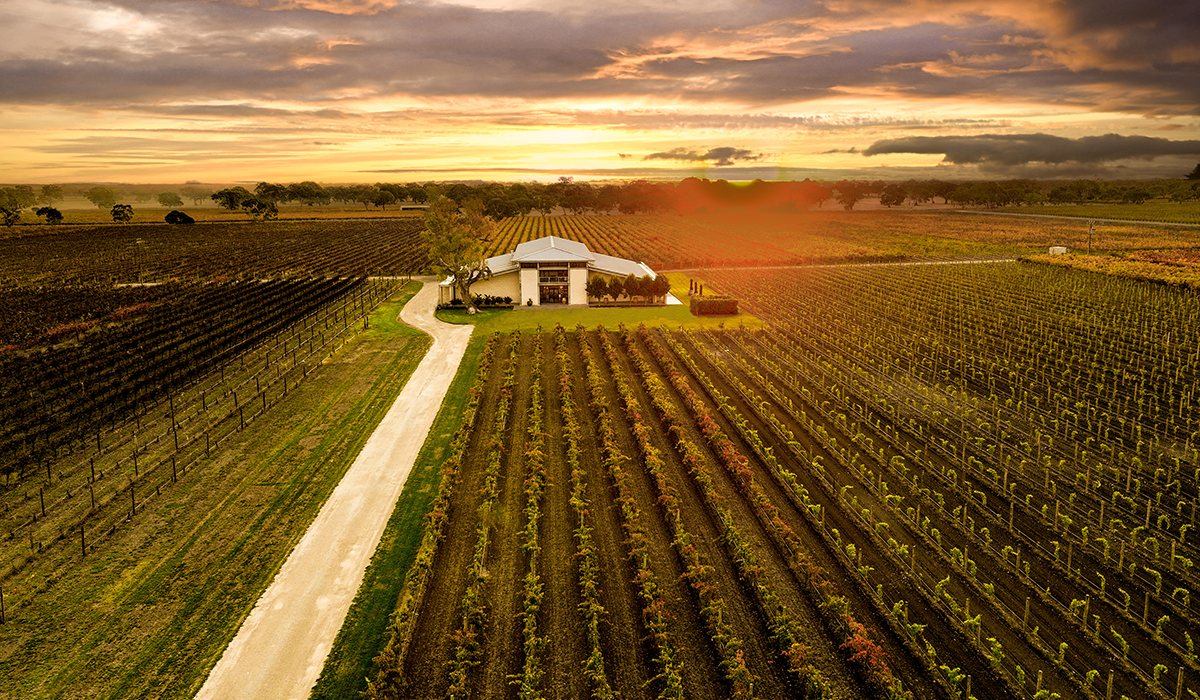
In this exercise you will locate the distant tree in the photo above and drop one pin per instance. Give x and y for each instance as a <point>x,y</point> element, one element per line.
<point>231,198</point>
<point>169,199</point>
<point>50,194</point>
<point>122,213</point>
<point>892,195</point>
<point>848,194</point>
<point>943,189</point>
<point>102,197</point>
<point>383,198</point>
<point>1135,194</point>
<point>1181,191</point>
<point>260,209</point>
<point>400,192</point>
<point>1195,174</point>
<point>365,194</point>
<point>271,192</point>
<point>178,217</point>
<point>24,195</point>
<point>417,193</point>
<point>196,194</point>
<point>500,207</point>
<point>52,215</point>
<point>10,209</point>
<point>308,192</point>
<point>454,237</point>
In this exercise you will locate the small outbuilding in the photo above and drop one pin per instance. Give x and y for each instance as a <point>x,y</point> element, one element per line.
<point>1058,250</point>
<point>548,270</point>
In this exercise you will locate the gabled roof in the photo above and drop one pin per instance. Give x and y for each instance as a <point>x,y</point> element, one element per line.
<point>552,249</point>
<point>620,266</point>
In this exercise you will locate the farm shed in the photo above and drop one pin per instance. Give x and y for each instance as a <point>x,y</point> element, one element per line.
<point>548,270</point>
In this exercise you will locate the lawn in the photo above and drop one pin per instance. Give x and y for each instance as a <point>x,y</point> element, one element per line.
<point>547,317</point>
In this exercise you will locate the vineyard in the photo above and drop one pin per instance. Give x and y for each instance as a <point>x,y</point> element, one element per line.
<point>162,393</point>
<point>944,481</point>
<point>106,254</point>
<point>666,242</point>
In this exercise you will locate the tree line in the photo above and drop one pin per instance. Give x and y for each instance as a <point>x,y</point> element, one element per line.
<point>689,196</point>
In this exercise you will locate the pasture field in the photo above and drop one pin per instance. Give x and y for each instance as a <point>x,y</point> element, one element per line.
<point>991,468</point>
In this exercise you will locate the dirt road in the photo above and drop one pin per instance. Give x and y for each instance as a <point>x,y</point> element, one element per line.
<point>281,647</point>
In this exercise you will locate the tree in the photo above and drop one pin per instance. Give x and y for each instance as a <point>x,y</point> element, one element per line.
<point>383,198</point>
<point>231,198</point>
<point>196,194</point>
<point>307,192</point>
<point>616,287</point>
<point>50,194</point>
<point>892,195</point>
<point>52,215</point>
<point>1195,174</point>
<point>178,217</point>
<point>597,287</point>
<point>11,204</point>
<point>102,197</point>
<point>271,192</point>
<point>632,286</point>
<point>660,287</point>
<point>122,213</point>
<point>848,194</point>
<point>259,208</point>
<point>454,236</point>
<point>170,199</point>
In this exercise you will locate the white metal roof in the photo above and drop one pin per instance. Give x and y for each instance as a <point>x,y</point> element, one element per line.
<point>552,249</point>
<point>555,249</point>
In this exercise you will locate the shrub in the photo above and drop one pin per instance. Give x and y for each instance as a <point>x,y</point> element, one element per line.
<point>714,306</point>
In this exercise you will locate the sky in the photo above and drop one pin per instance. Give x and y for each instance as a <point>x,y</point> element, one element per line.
<point>346,91</point>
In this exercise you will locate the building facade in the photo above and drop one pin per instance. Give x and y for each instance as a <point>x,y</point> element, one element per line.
<point>548,270</point>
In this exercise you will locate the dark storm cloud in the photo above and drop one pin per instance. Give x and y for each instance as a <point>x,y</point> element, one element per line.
<point>720,156</point>
<point>1022,149</point>
<point>1132,57</point>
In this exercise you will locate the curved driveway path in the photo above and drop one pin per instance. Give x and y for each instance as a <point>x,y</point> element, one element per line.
<point>281,647</point>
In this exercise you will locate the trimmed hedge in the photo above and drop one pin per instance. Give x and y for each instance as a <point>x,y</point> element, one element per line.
<point>714,306</point>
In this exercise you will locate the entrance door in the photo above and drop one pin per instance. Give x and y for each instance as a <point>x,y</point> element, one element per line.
<point>553,294</point>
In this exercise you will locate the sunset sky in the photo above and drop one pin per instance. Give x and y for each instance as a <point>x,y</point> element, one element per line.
<point>383,91</point>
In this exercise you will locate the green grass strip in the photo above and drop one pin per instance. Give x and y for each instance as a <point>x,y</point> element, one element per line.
<point>365,631</point>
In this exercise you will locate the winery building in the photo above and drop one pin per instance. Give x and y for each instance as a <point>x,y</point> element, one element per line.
<point>548,270</point>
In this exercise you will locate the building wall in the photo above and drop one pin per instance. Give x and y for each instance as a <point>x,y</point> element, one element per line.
<point>529,287</point>
<point>578,278</point>
<point>505,285</point>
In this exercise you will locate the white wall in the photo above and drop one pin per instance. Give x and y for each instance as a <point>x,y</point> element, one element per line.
<point>529,287</point>
<point>506,285</point>
<point>578,278</point>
